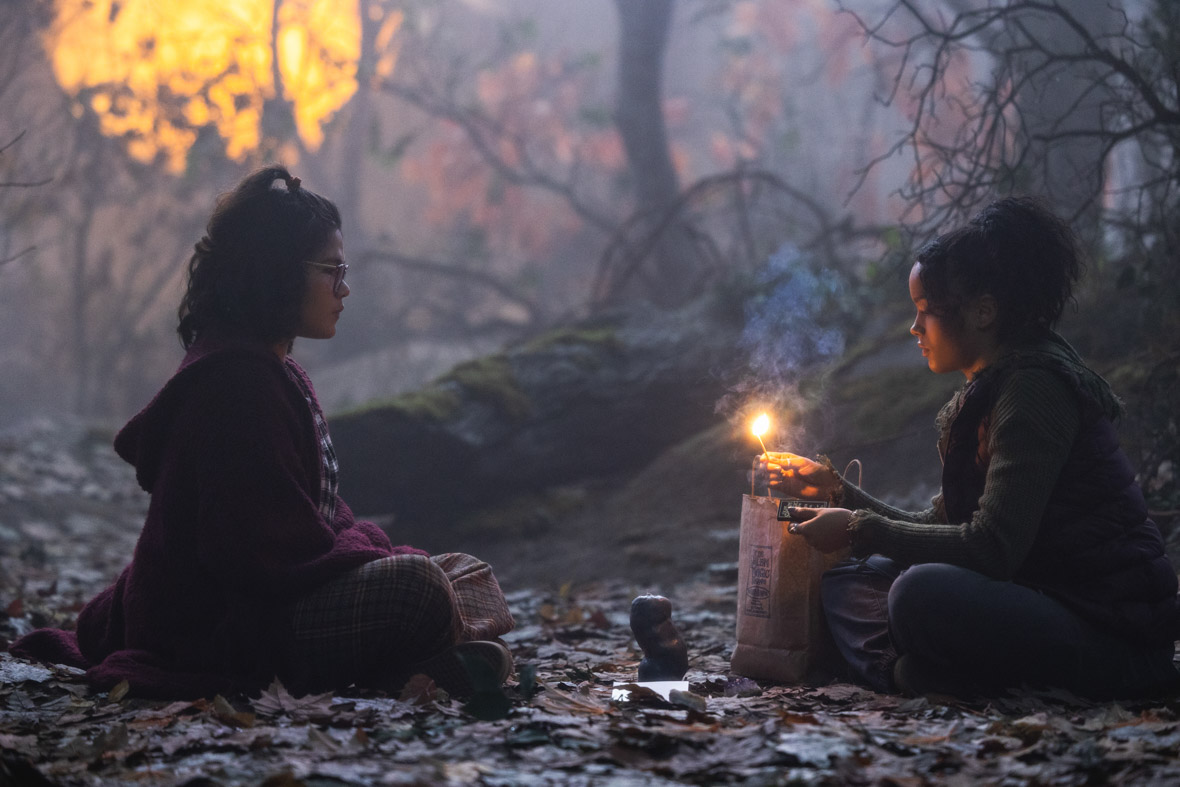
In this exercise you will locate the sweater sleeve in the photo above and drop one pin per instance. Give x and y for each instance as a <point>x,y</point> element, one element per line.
<point>852,496</point>
<point>1033,424</point>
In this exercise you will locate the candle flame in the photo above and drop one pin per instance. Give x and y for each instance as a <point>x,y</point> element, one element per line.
<point>761,424</point>
<point>759,427</point>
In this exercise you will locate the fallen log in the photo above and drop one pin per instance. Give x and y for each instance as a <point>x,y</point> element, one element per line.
<point>593,400</point>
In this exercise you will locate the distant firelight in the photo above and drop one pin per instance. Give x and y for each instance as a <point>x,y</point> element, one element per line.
<point>156,74</point>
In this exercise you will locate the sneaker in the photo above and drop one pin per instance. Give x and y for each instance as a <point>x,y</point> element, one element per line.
<point>469,667</point>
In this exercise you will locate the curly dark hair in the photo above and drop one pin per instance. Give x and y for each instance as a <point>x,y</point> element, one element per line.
<point>246,276</point>
<point>1016,250</point>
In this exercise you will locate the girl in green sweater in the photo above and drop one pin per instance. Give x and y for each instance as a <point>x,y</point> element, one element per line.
<point>1036,562</point>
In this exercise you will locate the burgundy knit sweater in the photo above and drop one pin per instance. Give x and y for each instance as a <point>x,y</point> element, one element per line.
<point>234,535</point>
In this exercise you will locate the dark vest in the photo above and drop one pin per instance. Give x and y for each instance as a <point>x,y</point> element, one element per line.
<point>1096,550</point>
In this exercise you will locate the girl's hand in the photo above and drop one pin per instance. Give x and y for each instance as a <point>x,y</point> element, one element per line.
<point>799,476</point>
<point>826,529</point>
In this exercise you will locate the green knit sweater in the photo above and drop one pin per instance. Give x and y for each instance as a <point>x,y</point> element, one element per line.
<point>1033,424</point>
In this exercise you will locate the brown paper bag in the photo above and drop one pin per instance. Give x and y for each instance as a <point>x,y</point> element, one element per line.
<point>781,632</point>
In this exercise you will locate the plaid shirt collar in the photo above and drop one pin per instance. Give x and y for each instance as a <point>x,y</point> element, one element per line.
<point>329,467</point>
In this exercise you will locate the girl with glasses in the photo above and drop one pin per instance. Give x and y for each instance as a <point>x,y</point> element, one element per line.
<point>250,566</point>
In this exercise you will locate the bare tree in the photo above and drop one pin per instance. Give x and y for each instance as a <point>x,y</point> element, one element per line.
<point>17,21</point>
<point>657,258</point>
<point>103,237</point>
<point>123,232</point>
<point>639,115</point>
<point>1069,87</point>
<point>659,240</point>
<point>6,254</point>
<point>502,148</point>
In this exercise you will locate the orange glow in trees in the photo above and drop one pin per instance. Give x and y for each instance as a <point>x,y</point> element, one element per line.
<point>155,73</point>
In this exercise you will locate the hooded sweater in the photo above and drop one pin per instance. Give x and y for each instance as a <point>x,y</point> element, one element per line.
<point>235,533</point>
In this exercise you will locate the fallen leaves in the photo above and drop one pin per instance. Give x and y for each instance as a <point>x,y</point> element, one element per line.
<point>581,703</point>
<point>275,700</point>
<point>25,745</point>
<point>13,672</point>
<point>557,723</point>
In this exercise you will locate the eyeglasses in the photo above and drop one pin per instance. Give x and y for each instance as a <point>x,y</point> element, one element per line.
<point>340,269</point>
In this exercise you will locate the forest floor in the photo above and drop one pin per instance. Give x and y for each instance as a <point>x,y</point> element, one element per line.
<point>69,516</point>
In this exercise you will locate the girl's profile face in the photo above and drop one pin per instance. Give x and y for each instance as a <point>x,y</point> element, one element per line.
<point>945,340</point>
<point>323,301</point>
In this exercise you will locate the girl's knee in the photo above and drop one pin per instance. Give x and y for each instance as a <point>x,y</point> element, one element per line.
<point>406,571</point>
<point>925,587</point>
<point>413,590</point>
<point>922,600</point>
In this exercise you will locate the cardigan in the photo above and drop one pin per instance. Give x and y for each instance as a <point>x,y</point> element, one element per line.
<point>234,534</point>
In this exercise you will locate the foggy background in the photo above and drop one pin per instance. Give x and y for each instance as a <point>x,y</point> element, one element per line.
<point>504,167</point>
<point>89,299</point>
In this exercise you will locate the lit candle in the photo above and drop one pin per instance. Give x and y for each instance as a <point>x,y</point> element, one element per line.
<point>759,427</point>
<point>761,424</point>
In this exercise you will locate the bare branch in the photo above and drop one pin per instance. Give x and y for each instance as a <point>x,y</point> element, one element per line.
<point>15,184</point>
<point>1105,88</point>
<point>624,255</point>
<point>4,148</point>
<point>453,271</point>
<point>18,255</point>
<point>23,184</point>
<point>481,131</point>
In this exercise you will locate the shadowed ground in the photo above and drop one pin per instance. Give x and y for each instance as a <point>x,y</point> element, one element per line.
<point>69,514</point>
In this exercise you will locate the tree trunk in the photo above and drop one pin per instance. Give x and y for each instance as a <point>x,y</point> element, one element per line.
<point>79,300</point>
<point>639,117</point>
<point>356,137</point>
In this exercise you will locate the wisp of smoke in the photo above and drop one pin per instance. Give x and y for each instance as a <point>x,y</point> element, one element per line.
<point>790,329</point>
<point>784,331</point>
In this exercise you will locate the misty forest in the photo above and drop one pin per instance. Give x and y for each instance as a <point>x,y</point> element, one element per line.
<point>589,242</point>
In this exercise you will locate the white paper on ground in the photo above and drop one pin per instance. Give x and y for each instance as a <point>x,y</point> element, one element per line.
<point>661,687</point>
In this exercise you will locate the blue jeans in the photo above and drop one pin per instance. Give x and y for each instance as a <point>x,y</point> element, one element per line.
<point>986,632</point>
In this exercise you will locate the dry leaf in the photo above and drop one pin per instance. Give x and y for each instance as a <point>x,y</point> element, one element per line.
<point>119,691</point>
<point>420,689</point>
<point>275,700</point>
<point>557,701</point>
<point>226,713</point>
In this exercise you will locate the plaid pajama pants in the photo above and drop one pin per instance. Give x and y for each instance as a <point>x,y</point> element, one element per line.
<point>370,626</point>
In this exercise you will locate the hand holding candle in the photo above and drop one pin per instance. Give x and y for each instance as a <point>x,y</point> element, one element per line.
<point>799,476</point>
